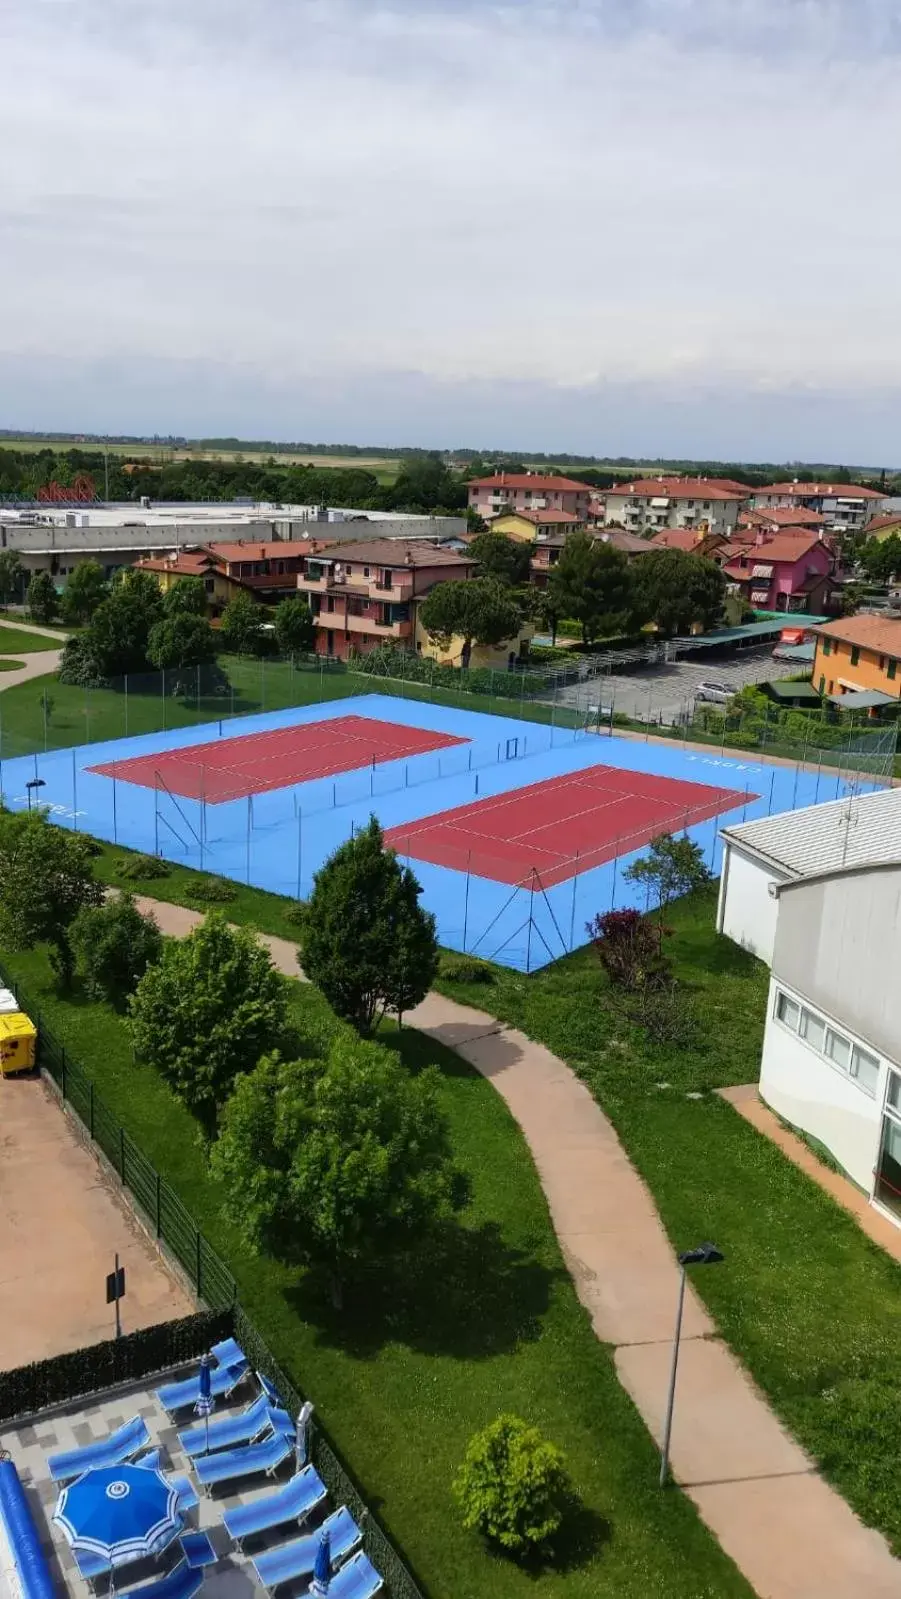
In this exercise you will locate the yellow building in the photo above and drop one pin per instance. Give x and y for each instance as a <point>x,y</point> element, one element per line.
<point>218,586</point>
<point>859,655</point>
<point>525,526</point>
<point>499,656</point>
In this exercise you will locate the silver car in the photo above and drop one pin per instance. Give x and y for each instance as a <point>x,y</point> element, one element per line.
<point>715,693</point>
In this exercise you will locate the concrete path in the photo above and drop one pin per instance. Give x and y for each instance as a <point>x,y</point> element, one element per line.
<point>38,664</point>
<point>747,1101</point>
<point>790,1533</point>
<point>63,1223</point>
<point>34,627</point>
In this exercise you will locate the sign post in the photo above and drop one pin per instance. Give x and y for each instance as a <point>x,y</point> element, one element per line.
<point>115,1290</point>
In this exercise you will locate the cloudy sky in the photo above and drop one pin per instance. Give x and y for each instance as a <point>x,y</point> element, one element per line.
<point>614,226</point>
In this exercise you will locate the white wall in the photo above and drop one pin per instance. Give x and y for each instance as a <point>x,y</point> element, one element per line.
<point>747,911</point>
<point>809,1093</point>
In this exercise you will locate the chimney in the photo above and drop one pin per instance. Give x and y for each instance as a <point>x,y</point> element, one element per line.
<point>760,536</point>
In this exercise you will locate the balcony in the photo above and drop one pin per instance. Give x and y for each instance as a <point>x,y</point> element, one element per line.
<point>336,621</point>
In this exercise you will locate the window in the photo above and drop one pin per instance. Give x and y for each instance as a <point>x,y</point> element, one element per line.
<point>894,1090</point>
<point>882,663</point>
<point>855,654</point>
<point>892,669</point>
<point>788,1012</point>
<point>822,686</point>
<point>366,571</point>
<point>827,646</point>
<point>852,1059</point>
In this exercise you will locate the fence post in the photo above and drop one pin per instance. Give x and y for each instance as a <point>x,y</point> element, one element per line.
<point>199,1259</point>
<point>466,899</point>
<point>159,1206</point>
<point>62,1065</point>
<point>572,919</point>
<point>122,1153</point>
<point>91,1110</point>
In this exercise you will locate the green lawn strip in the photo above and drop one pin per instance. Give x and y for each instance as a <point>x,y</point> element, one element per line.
<point>807,1302</point>
<point>411,1367</point>
<point>250,907</point>
<point>10,666</point>
<point>15,641</point>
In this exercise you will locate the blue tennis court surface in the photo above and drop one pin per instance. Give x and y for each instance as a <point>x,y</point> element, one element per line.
<point>523,914</point>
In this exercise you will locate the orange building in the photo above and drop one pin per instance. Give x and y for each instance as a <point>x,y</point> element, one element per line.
<point>858,655</point>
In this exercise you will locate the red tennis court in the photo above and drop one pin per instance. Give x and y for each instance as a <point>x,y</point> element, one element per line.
<point>232,768</point>
<point>562,826</point>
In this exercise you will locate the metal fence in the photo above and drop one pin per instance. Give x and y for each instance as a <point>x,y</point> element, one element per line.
<point>173,1226</point>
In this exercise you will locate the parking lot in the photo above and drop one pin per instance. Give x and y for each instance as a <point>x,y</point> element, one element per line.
<point>667,692</point>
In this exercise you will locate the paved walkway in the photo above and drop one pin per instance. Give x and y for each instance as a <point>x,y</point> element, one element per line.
<point>747,1101</point>
<point>790,1533</point>
<point>62,1224</point>
<point>34,627</point>
<point>38,664</point>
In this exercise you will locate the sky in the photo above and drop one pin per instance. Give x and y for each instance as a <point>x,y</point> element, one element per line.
<point>613,227</point>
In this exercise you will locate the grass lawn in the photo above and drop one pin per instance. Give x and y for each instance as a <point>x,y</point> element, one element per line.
<point>85,716</point>
<point>250,907</point>
<point>418,1360</point>
<point>10,666</point>
<point>805,1299</point>
<point>15,641</point>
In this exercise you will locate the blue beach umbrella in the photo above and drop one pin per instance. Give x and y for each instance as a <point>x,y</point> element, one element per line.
<point>322,1566</point>
<point>205,1395</point>
<point>119,1513</point>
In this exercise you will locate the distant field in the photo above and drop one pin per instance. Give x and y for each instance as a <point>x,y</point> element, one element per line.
<point>384,467</point>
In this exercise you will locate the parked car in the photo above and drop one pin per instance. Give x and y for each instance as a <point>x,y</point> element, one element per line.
<point>715,693</point>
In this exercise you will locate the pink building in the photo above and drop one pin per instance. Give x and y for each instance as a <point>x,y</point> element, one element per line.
<point>790,572</point>
<point>528,491</point>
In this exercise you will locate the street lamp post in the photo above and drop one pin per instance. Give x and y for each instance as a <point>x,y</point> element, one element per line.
<point>32,785</point>
<point>704,1255</point>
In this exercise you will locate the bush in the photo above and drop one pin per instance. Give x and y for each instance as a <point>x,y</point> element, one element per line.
<point>513,1486</point>
<point>213,890</point>
<point>141,868</point>
<point>80,664</point>
<point>466,971</point>
<point>114,945</point>
<point>629,949</point>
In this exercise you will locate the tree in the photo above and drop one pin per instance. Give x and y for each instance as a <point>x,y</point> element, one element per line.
<point>46,878</point>
<point>677,590</point>
<point>880,559</point>
<point>83,593</point>
<point>672,867</point>
<point>114,945</point>
<point>12,576</point>
<point>207,1012</point>
<point>187,597</point>
<point>241,623</point>
<point>338,1161</point>
<point>479,610</point>
<point>115,642</point>
<point>180,641</point>
<point>294,629</point>
<point>593,583</point>
<point>42,599</point>
<point>513,1486</point>
<point>505,559</point>
<point>366,942</point>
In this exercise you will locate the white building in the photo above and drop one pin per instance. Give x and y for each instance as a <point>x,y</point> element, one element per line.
<point>711,504</point>
<point>844,507</point>
<point>831,1064</point>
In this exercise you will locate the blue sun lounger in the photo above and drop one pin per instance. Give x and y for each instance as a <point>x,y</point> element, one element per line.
<point>358,1579</point>
<point>223,1382</point>
<point>294,1502</point>
<point>229,1464</point>
<point>258,1419</point>
<point>127,1440</point>
<point>291,1561</point>
<point>182,1583</point>
<point>228,1353</point>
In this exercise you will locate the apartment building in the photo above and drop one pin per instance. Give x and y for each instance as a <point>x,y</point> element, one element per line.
<point>792,571</point>
<point>859,656</point>
<point>652,504</point>
<point>269,569</point>
<point>364,594</point>
<point>528,491</point>
<point>844,507</point>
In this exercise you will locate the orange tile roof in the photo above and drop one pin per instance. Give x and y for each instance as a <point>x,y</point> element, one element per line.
<point>528,480</point>
<point>880,633</point>
<point>683,488</point>
<point>683,538</point>
<point>262,550</point>
<point>781,515</point>
<point>880,522</point>
<point>826,491</point>
<point>783,547</point>
<point>190,563</point>
<point>543,518</point>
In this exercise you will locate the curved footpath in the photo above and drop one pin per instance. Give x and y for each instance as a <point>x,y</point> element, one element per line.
<point>791,1535</point>
<point>39,662</point>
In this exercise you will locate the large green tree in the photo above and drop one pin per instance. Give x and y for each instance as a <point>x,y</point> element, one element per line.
<point>502,558</point>
<point>677,590</point>
<point>672,867</point>
<point>42,599</point>
<point>46,878</point>
<point>241,626</point>
<point>114,944</point>
<point>339,1161</point>
<point>593,583</point>
<point>479,610</point>
<point>181,640</point>
<point>12,576</point>
<point>211,1007</point>
<point>84,591</point>
<point>294,630</point>
<point>187,597</point>
<point>366,941</point>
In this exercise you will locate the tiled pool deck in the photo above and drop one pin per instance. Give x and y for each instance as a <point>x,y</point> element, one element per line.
<point>30,1442</point>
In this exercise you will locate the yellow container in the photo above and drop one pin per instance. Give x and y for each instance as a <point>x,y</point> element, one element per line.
<point>18,1041</point>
